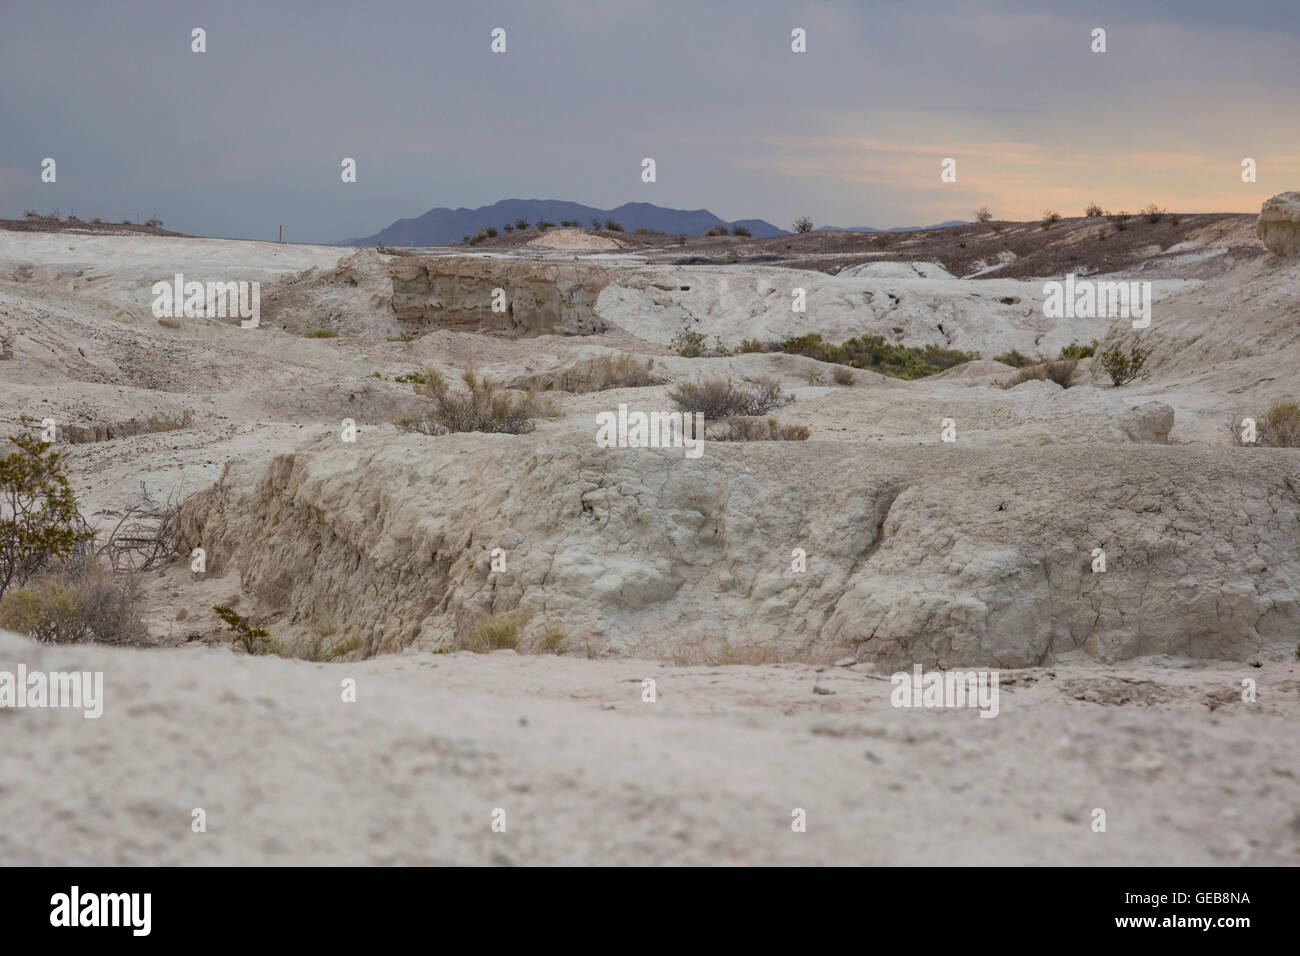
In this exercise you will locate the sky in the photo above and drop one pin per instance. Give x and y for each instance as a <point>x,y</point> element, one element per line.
<point>250,135</point>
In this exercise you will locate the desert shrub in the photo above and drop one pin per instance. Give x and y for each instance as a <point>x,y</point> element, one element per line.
<point>167,422</point>
<point>1124,367</point>
<point>716,231</point>
<point>681,240</point>
<point>404,337</point>
<point>873,352</point>
<point>1152,213</point>
<point>507,228</point>
<point>1092,211</point>
<point>155,223</point>
<point>521,223</point>
<point>612,226</point>
<point>997,228</point>
<point>741,231</point>
<point>40,521</point>
<point>492,632</point>
<point>31,214</point>
<point>1050,217</point>
<point>803,224</point>
<point>126,222</point>
<point>1014,358</point>
<point>1060,371</point>
<point>721,398</point>
<point>1279,427</point>
<point>1076,351</point>
<point>543,225</point>
<point>480,408</point>
<point>250,639</point>
<point>815,377</point>
<point>321,334</point>
<point>71,609</point>
<point>491,232</point>
<point>843,376</point>
<point>623,371</point>
<point>750,428</point>
<point>326,644</point>
<point>750,345</point>
<point>982,214</point>
<point>464,240</point>
<point>689,344</point>
<point>415,378</point>
<point>1118,219</point>
<point>551,640</point>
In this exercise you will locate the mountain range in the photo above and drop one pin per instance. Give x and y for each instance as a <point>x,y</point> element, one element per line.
<point>441,226</point>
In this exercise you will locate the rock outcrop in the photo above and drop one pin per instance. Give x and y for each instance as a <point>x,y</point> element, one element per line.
<point>1278,226</point>
<point>455,292</point>
<point>940,555</point>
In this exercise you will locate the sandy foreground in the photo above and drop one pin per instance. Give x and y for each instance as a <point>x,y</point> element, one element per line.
<point>589,773</point>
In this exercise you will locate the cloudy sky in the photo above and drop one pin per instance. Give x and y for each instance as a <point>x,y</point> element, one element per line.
<point>250,135</point>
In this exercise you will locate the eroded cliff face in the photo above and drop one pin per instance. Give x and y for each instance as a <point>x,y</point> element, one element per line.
<point>938,556</point>
<point>457,293</point>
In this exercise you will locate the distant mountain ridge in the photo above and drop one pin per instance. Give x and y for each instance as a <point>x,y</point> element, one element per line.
<point>441,225</point>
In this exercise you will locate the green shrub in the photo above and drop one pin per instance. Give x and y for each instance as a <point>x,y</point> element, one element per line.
<point>740,231</point>
<point>1050,218</point>
<point>843,376</point>
<point>491,232</point>
<point>982,214</point>
<point>249,639</point>
<point>873,352</point>
<point>40,521</point>
<point>321,334</point>
<point>1124,367</point>
<point>1092,211</point>
<point>1153,213</point>
<point>1076,351</point>
<point>689,344</point>
<point>1119,220</point>
<point>1014,358</point>
<point>803,224</point>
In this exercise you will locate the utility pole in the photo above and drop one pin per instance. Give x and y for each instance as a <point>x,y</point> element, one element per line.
<point>282,233</point>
